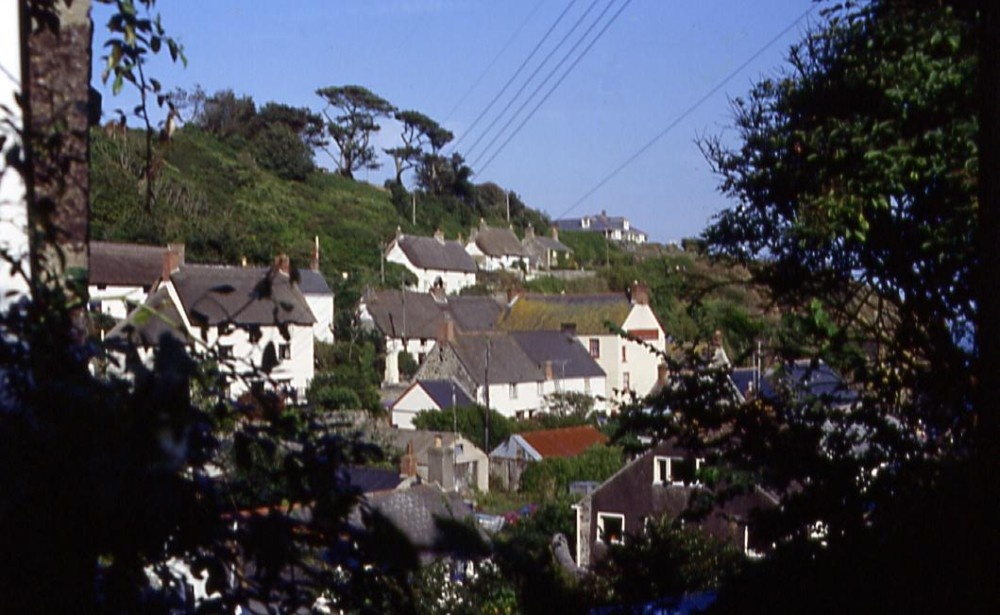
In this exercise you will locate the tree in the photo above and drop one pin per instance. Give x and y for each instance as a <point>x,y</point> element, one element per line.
<point>419,132</point>
<point>352,129</point>
<point>226,115</point>
<point>855,177</point>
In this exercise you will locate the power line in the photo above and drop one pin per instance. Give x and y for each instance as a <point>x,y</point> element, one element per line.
<point>687,112</point>
<point>545,79</point>
<point>530,78</point>
<point>516,73</point>
<point>561,79</point>
<point>495,58</point>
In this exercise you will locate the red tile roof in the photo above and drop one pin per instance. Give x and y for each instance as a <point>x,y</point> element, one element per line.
<point>565,442</point>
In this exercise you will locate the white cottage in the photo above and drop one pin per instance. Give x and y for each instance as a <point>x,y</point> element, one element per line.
<point>256,321</point>
<point>631,363</point>
<point>437,262</point>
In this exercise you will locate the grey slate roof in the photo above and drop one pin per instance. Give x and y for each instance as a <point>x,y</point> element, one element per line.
<point>370,480</point>
<point>508,362</point>
<point>313,283</point>
<point>429,253</point>
<point>498,242</point>
<point>799,377</point>
<point>415,512</point>
<point>599,222</point>
<point>473,313</point>
<point>213,295</point>
<point>125,264</point>
<point>443,391</point>
<point>569,358</point>
<point>424,315</point>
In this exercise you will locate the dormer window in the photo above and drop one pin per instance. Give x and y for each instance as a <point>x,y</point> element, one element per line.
<point>676,471</point>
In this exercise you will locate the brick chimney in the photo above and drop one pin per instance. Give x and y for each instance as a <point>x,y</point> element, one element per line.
<point>554,232</point>
<point>568,328</point>
<point>446,330</point>
<point>282,264</point>
<point>171,263</point>
<point>408,463</point>
<point>640,294</point>
<point>439,236</point>
<point>179,248</point>
<point>548,370</point>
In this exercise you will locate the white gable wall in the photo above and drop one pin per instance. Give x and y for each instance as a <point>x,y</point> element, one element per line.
<point>453,281</point>
<point>413,401</point>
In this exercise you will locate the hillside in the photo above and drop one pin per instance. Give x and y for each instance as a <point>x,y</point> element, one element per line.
<point>213,196</point>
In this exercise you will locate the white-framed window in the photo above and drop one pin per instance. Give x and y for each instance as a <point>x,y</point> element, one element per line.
<point>676,470</point>
<point>225,351</point>
<point>513,390</point>
<point>595,348</point>
<point>624,354</point>
<point>284,352</point>
<point>541,389</point>
<point>626,381</point>
<point>611,528</point>
<point>586,386</point>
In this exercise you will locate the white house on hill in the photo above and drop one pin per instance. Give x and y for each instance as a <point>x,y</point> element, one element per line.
<point>256,321</point>
<point>631,367</point>
<point>436,261</point>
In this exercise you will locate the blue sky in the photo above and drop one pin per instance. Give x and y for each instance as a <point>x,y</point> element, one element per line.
<point>651,65</point>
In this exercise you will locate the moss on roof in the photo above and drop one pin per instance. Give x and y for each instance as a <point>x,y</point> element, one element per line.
<point>588,313</point>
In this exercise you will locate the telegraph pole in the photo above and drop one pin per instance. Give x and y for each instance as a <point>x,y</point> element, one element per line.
<point>489,342</point>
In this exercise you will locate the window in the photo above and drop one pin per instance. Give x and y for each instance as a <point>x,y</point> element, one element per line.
<point>610,528</point>
<point>586,386</point>
<point>626,381</point>
<point>513,390</point>
<point>284,352</point>
<point>595,348</point>
<point>624,355</point>
<point>676,470</point>
<point>225,351</point>
<point>541,389</point>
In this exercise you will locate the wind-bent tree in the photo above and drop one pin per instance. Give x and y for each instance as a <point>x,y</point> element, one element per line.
<point>855,187</point>
<point>419,132</point>
<point>352,128</point>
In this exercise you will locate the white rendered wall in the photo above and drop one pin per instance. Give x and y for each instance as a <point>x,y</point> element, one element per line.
<point>13,210</point>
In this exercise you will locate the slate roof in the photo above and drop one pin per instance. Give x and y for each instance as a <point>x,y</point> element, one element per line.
<point>443,391</point>
<point>569,358</point>
<point>508,362</point>
<point>473,313</point>
<point>545,243</point>
<point>145,325</point>
<point>415,512</point>
<point>125,264</point>
<point>564,442</point>
<point>313,283</point>
<point>599,222</point>
<point>498,242</point>
<point>213,295</point>
<point>430,253</point>
<point>424,315</point>
<point>371,480</point>
<point>550,312</point>
<point>822,381</point>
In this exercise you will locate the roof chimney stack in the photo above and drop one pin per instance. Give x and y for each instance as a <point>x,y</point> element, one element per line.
<point>171,263</point>
<point>282,264</point>
<point>639,294</point>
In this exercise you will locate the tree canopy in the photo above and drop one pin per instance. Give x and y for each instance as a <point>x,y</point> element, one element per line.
<point>352,128</point>
<point>854,181</point>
